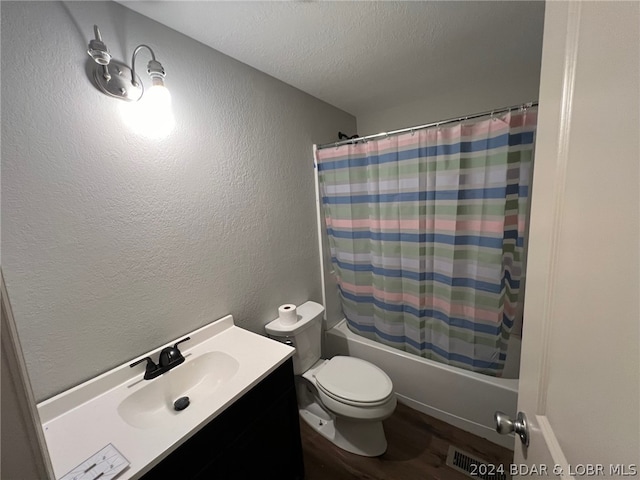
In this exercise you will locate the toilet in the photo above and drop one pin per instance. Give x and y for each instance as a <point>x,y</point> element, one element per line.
<point>344,399</point>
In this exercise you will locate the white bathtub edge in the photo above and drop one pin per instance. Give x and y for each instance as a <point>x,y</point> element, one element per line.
<point>506,441</point>
<point>433,388</point>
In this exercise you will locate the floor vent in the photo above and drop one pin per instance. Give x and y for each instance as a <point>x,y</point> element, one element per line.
<point>474,467</point>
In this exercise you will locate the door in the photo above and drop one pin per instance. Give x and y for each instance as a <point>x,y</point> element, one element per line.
<point>580,371</point>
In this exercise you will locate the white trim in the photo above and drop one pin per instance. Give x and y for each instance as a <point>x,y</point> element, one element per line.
<point>553,446</point>
<point>20,376</point>
<point>319,225</point>
<point>568,83</point>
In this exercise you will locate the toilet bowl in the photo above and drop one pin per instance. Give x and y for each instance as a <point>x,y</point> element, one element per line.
<point>344,399</point>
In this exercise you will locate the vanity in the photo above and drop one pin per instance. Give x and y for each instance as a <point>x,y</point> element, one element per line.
<point>241,420</point>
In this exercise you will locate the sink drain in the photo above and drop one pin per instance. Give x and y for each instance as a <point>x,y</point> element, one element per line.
<point>181,403</point>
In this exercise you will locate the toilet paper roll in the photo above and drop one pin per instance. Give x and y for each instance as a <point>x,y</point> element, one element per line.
<point>287,314</point>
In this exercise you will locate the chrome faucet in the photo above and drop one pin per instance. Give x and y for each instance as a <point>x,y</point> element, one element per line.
<point>170,357</point>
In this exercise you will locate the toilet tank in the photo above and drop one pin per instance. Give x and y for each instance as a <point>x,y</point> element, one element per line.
<point>305,335</point>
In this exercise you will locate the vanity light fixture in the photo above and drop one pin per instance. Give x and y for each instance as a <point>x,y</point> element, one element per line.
<point>118,80</point>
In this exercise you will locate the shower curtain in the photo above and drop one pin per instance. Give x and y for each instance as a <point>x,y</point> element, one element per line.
<point>426,231</point>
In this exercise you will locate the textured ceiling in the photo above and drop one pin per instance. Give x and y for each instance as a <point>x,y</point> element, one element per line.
<point>365,56</point>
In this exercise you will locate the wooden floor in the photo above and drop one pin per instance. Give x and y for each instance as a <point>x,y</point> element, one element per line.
<point>417,450</point>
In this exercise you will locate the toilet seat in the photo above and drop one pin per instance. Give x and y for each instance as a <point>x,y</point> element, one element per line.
<point>344,399</point>
<point>355,382</point>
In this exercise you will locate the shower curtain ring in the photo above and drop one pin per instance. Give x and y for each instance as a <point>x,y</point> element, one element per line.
<point>413,132</point>
<point>337,145</point>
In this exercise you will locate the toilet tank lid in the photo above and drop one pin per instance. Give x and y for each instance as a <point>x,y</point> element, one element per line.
<point>308,312</point>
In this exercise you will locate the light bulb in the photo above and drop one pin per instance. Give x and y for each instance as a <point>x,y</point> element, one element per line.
<point>158,98</point>
<point>152,115</point>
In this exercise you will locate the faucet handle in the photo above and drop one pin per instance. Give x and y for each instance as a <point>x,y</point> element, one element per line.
<point>150,362</point>
<point>175,345</point>
<point>151,366</point>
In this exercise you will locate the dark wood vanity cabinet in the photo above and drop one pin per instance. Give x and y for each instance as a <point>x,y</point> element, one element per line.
<point>258,437</point>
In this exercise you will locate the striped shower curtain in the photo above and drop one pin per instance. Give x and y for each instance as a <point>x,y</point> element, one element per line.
<point>426,231</point>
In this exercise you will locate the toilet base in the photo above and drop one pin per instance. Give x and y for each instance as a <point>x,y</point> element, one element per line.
<point>364,438</point>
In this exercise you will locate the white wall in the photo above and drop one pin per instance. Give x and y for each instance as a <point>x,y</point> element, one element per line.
<point>503,88</point>
<point>114,244</point>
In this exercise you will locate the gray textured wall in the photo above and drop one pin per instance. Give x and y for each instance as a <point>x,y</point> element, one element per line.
<point>113,244</point>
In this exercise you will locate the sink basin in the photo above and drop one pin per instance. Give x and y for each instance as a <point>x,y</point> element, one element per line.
<point>137,417</point>
<point>198,378</point>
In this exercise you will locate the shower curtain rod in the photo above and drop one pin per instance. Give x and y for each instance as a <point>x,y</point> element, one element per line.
<point>428,125</point>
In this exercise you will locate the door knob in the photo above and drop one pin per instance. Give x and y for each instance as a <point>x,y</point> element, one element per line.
<point>504,426</point>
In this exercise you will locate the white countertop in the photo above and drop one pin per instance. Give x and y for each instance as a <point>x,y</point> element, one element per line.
<point>81,421</point>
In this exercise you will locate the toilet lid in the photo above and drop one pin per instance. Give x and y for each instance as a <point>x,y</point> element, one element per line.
<point>354,380</point>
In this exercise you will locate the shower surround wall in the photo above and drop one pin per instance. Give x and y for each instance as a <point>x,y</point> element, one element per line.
<point>114,244</point>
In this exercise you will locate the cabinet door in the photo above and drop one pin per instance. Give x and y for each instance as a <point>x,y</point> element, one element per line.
<point>256,437</point>
<point>269,448</point>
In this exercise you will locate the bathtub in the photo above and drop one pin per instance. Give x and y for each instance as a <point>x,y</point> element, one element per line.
<point>461,398</point>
